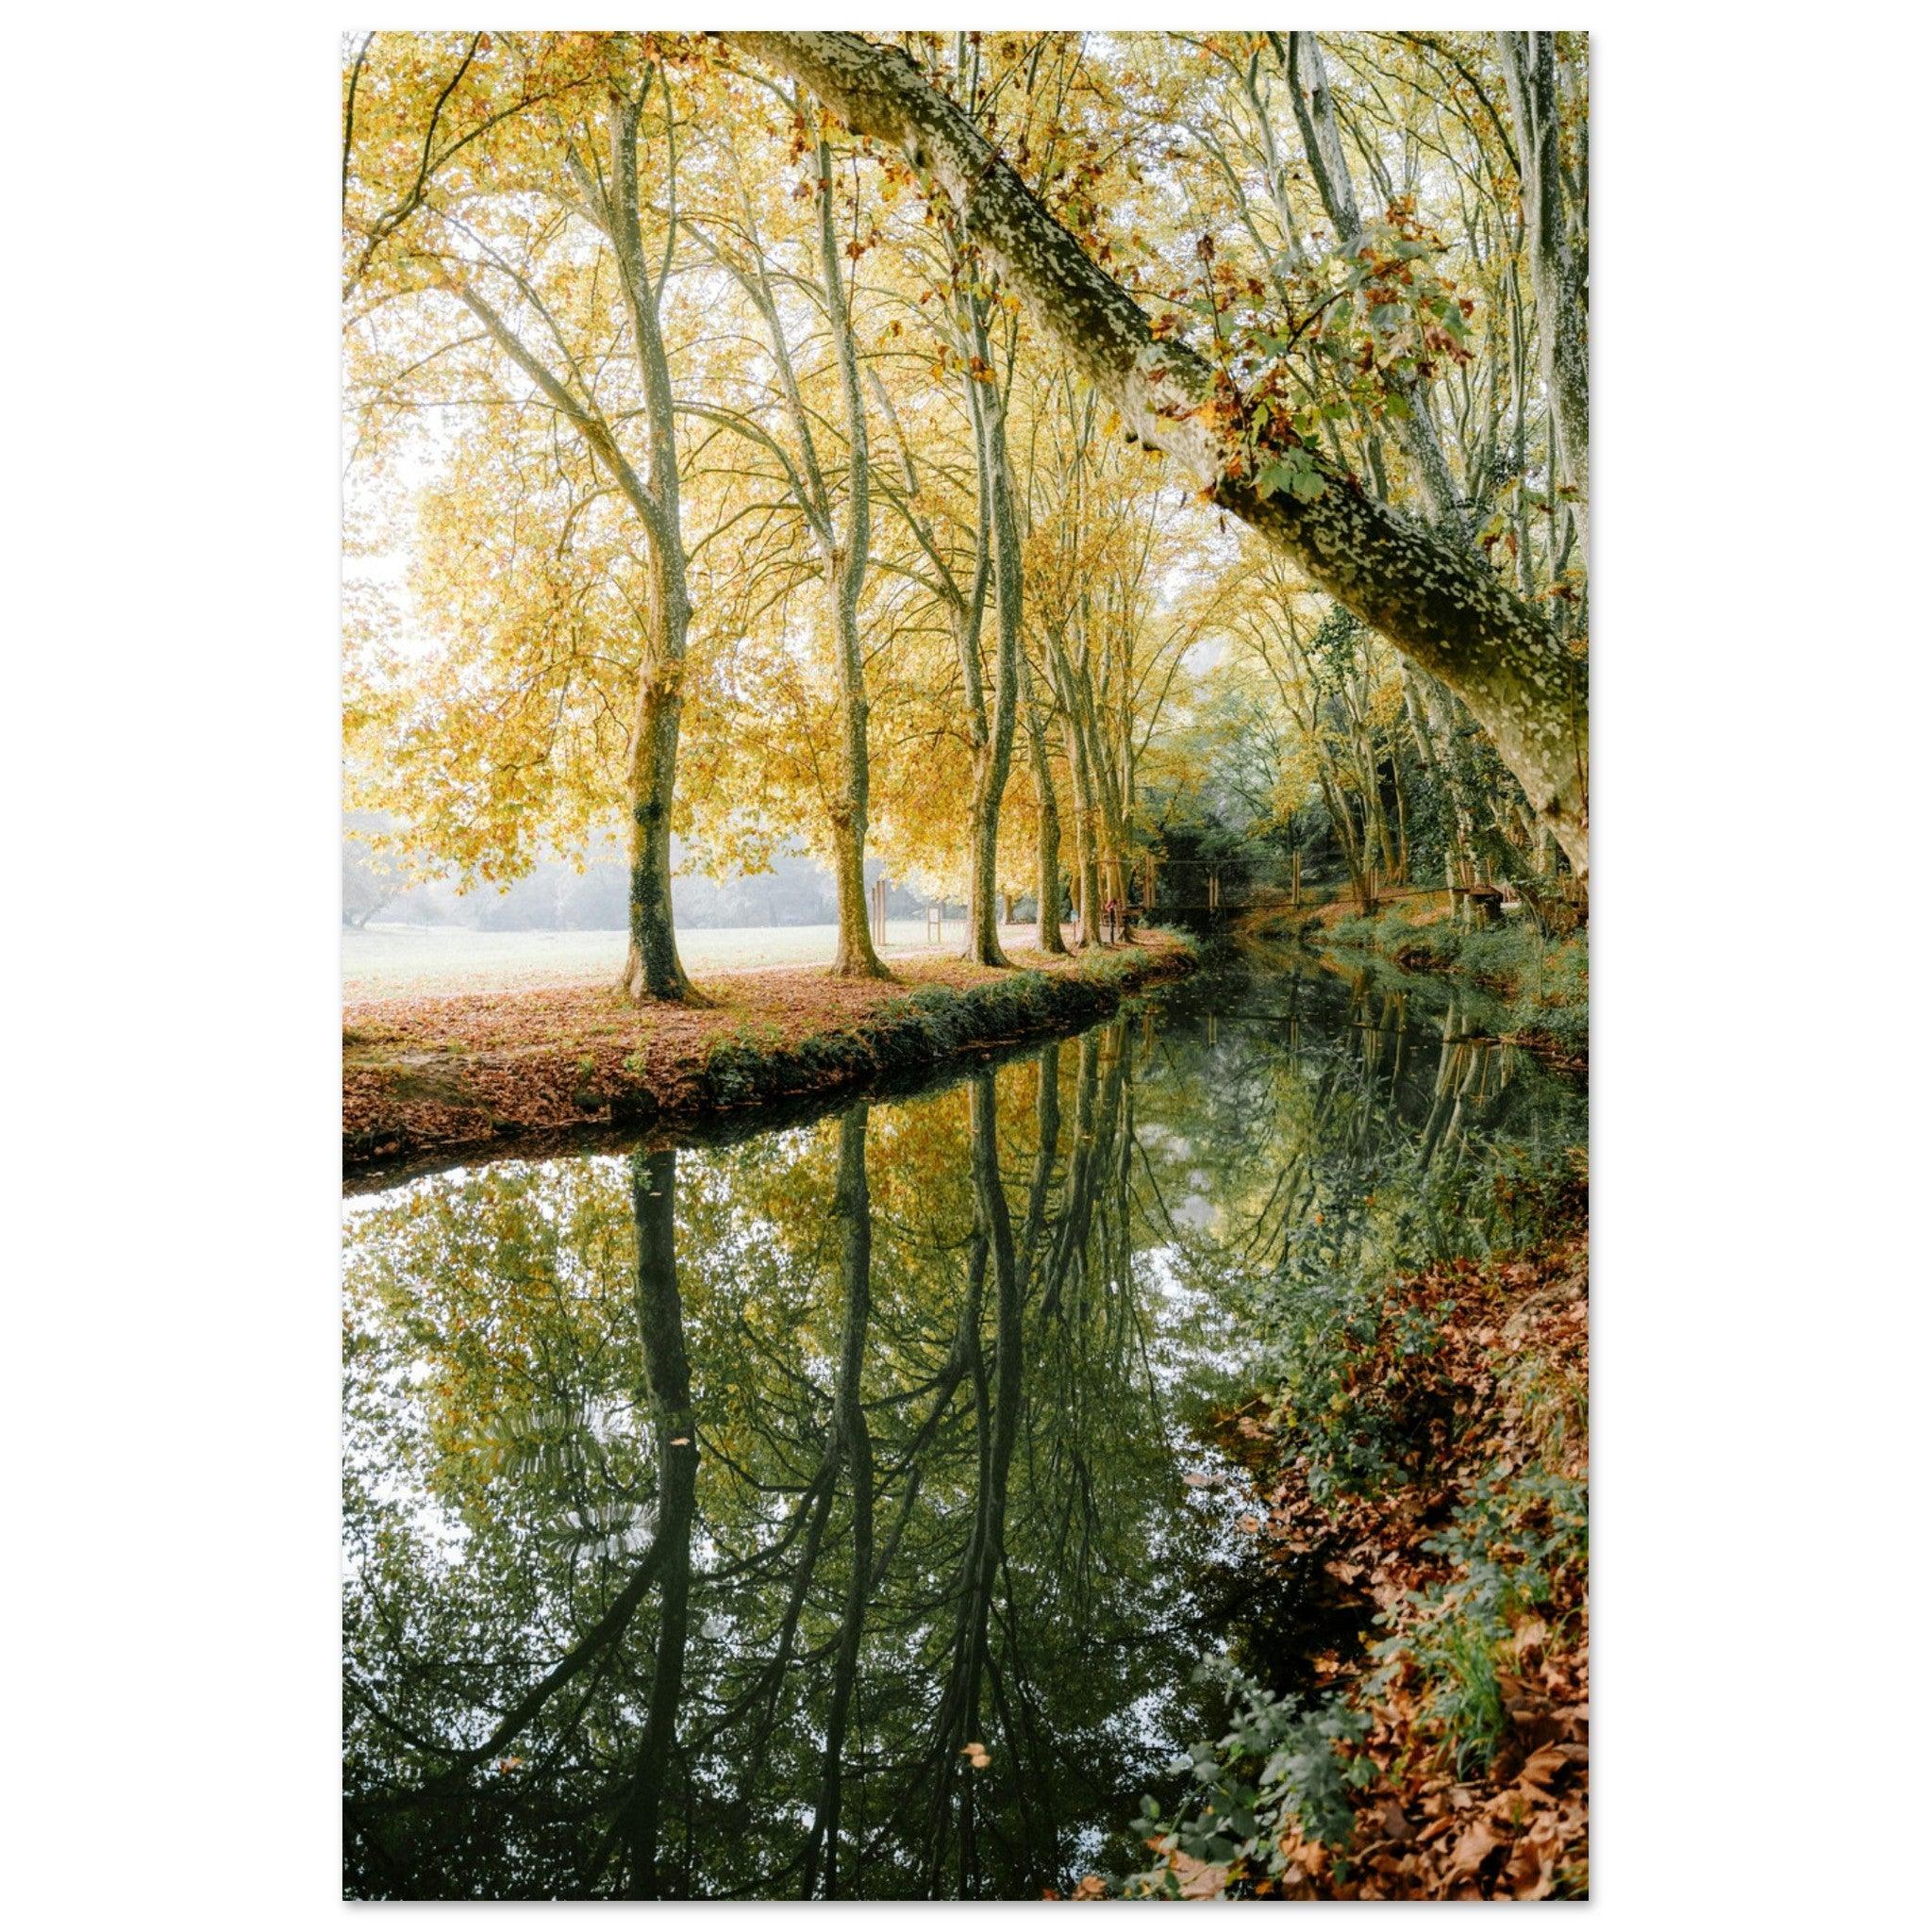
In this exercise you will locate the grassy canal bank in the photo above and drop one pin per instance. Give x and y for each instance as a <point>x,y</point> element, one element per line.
<point>422,1072</point>
<point>1542,982</point>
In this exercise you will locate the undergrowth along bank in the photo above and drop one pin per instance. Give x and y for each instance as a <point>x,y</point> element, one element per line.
<point>1427,1442</point>
<point>442,1074</point>
<point>932,1022</point>
<point>1544,982</point>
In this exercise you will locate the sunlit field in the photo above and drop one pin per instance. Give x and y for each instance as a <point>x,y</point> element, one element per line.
<point>384,960</point>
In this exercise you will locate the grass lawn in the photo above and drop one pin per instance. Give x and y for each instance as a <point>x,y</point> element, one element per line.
<point>385,960</point>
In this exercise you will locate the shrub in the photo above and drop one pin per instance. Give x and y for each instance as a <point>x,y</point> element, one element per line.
<point>740,1067</point>
<point>1279,1763</point>
<point>1508,1545</point>
<point>926,1023</point>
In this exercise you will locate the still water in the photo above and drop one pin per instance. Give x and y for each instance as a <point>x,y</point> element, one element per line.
<point>838,1512</point>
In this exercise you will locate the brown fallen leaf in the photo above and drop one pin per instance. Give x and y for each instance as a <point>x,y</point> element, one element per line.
<point>1471,1848</point>
<point>1546,1765</point>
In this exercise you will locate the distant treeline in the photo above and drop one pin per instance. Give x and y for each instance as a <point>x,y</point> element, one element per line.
<point>555,897</point>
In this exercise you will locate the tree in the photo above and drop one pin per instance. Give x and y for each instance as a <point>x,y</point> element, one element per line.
<point>1446,611</point>
<point>844,545</point>
<point>1553,197</point>
<point>513,259</point>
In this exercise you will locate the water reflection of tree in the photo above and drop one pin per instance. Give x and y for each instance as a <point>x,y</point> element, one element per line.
<point>728,1591</point>
<point>1355,1127</point>
<point>805,1519</point>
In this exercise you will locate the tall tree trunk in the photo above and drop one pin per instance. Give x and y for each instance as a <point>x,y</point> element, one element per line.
<point>992,751</point>
<point>1077,876</point>
<point>1086,848</point>
<point>1090,838</point>
<point>856,957</point>
<point>1353,855</point>
<point>1432,718</point>
<point>1440,607</point>
<point>1401,814</point>
<point>652,969</point>
<point>1555,275</point>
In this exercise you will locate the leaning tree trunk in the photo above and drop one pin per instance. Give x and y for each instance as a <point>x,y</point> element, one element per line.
<point>1442,607</point>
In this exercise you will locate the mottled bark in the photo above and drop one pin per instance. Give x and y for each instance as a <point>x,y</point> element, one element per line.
<point>1443,608</point>
<point>652,969</point>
